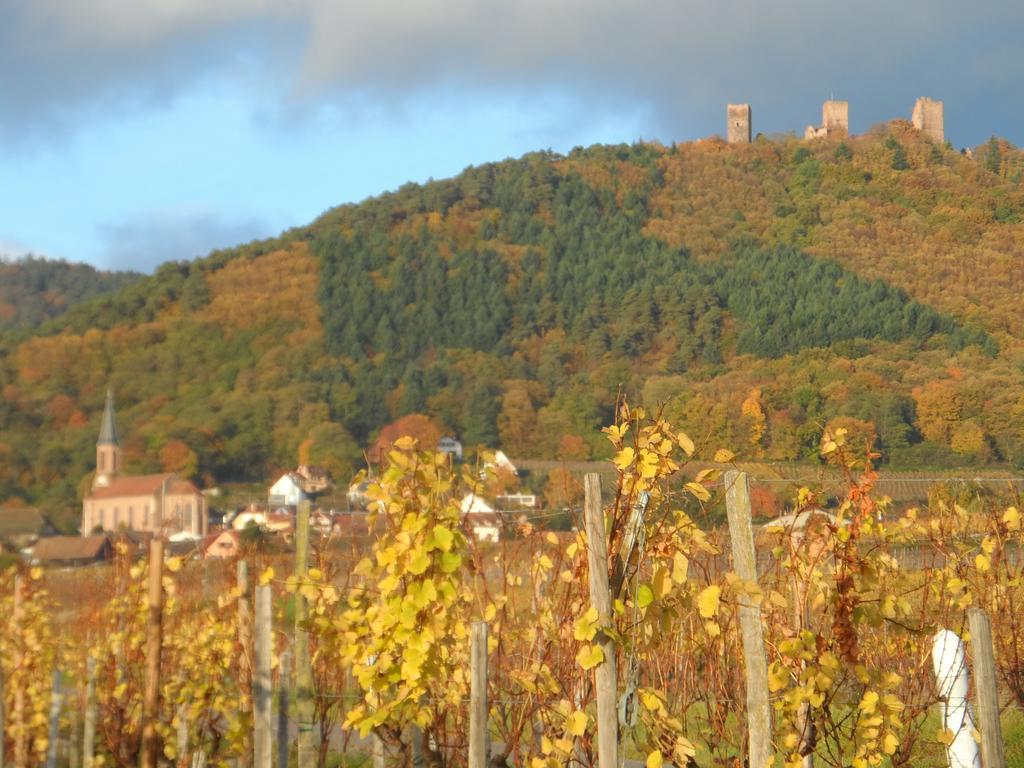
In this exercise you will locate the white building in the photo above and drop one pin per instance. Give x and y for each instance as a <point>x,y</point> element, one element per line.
<point>480,518</point>
<point>450,445</point>
<point>502,463</point>
<point>287,491</point>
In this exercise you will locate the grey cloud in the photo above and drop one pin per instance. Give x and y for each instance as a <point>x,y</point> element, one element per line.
<point>149,239</point>
<point>678,61</point>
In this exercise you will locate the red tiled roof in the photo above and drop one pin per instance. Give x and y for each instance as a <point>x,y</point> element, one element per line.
<point>212,537</point>
<point>142,485</point>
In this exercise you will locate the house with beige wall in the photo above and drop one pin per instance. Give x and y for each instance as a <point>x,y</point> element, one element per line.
<point>165,503</point>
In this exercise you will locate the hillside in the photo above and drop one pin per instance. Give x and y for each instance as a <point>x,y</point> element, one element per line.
<point>33,290</point>
<point>758,292</point>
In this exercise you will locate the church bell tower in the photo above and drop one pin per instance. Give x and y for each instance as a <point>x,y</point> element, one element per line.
<point>108,447</point>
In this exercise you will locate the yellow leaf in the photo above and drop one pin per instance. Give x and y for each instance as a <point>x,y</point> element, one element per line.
<point>589,656</point>
<point>644,596</point>
<point>173,564</point>
<point>890,743</point>
<point>624,458</point>
<point>680,567</point>
<point>868,702</point>
<point>699,491</point>
<point>450,561</point>
<point>442,538</point>
<point>685,443</point>
<point>576,723</point>
<point>1012,518</point>
<point>405,443</point>
<point>982,563</point>
<point>654,760</point>
<point>778,677</point>
<point>724,456</point>
<point>586,625</point>
<point>267,576</point>
<point>651,701</point>
<point>707,601</point>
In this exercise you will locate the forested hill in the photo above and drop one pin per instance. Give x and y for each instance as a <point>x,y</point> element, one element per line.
<point>33,289</point>
<point>758,292</point>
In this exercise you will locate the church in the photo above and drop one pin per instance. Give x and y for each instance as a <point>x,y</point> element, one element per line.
<point>164,504</point>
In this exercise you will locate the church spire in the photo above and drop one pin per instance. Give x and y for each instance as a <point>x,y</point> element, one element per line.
<point>108,447</point>
<point>108,427</point>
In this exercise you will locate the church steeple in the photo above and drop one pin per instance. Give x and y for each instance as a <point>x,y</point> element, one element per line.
<point>108,447</point>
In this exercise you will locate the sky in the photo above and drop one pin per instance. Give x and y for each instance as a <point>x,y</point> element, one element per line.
<point>134,132</point>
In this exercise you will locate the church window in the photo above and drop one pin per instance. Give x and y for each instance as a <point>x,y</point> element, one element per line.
<point>100,461</point>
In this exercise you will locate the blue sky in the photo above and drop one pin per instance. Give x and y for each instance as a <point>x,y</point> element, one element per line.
<point>136,132</point>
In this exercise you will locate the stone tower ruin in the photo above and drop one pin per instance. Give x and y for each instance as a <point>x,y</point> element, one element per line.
<point>738,123</point>
<point>835,121</point>
<point>928,119</point>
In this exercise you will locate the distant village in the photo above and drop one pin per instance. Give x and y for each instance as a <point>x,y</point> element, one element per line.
<point>134,508</point>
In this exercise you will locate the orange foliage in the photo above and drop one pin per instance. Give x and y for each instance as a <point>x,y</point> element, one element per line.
<point>562,489</point>
<point>573,447</point>
<point>425,429</point>
<point>176,456</point>
<point>281,285</point>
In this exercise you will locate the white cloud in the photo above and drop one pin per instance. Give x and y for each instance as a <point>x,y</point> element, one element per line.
<point>10,248</point>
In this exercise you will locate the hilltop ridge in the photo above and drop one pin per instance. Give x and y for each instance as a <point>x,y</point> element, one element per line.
<point>758,291</point>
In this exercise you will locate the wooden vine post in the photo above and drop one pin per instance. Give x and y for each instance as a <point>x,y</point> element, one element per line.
<point>283,693</point>
<point>245,671</point>
<point>600,599</point>
<point>3,723</point>
<point>154,645</point>
<point>741,534</point>
<point>18,714</point>
<point>56,698</point>
<point>89,726</point>
<point>478,696</point>
<point>303,669</point>
<point>986,697</point>
<point>261,682</point>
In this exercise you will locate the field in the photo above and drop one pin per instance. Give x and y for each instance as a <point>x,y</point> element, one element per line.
<point>848,596</point>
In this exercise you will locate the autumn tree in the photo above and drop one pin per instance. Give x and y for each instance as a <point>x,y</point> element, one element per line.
<point>425,430</point>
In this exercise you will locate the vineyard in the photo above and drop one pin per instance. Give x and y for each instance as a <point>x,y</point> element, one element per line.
<point>639,636</point>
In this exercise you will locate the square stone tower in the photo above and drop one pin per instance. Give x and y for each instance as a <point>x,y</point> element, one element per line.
<point>738,123</point>
<point>928,119</point>
<point>835,118</point>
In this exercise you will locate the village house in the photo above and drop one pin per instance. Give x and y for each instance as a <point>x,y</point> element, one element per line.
<point>314,480</point>
<point>222,545</point>
<point>450,446</point>
<point>20,527</point>
<point>163,503</point>
<point>287,491</point>
<point>480,518</point>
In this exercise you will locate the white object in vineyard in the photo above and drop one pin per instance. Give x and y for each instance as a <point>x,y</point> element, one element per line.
<point>950,665</point>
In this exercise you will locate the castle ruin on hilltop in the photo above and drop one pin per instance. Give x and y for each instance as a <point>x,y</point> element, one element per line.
<point>738,119</point>
<point>928,118</point>
<point>835,120</point>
